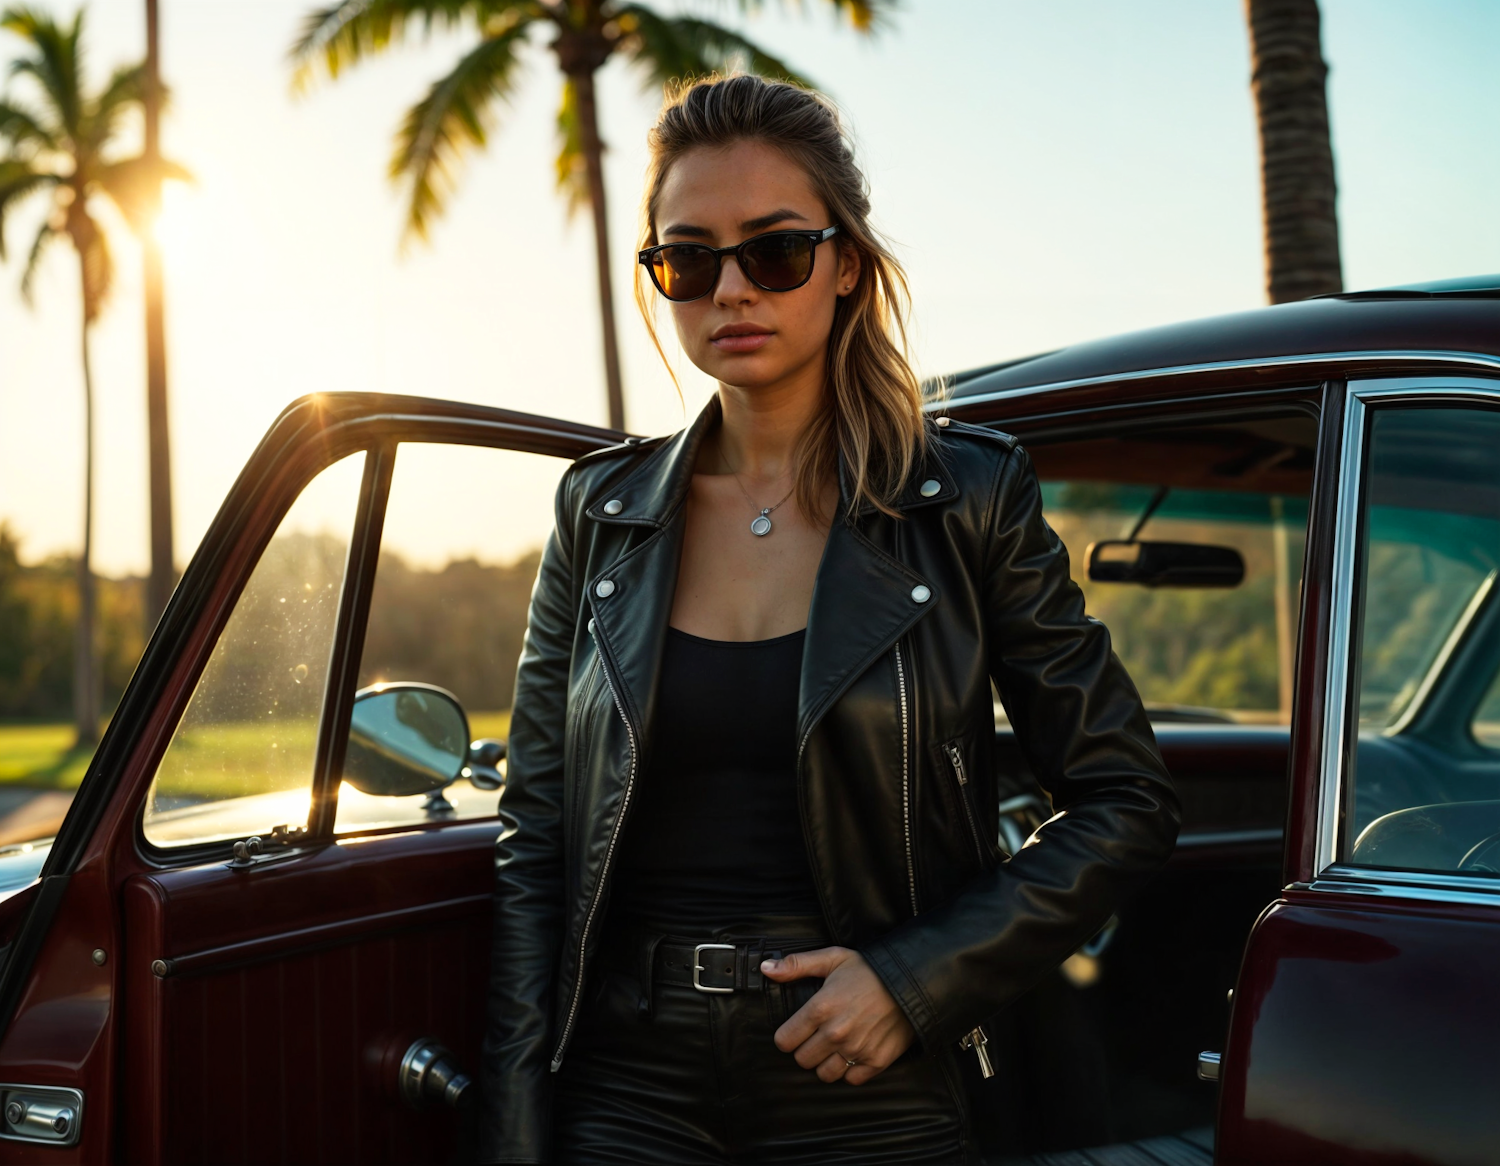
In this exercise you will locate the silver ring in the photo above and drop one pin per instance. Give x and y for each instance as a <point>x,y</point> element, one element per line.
<point>848,1064</point>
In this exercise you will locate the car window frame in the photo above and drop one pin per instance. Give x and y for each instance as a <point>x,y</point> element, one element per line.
<point>1363,397</point>
<point>379,437</point>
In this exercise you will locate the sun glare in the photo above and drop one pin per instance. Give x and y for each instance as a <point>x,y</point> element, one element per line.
<point>176,227</point>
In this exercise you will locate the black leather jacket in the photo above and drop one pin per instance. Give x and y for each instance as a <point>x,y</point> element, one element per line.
<point>910,619</point>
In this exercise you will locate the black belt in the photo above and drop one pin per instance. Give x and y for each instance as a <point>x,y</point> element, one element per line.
<point>714,967</point>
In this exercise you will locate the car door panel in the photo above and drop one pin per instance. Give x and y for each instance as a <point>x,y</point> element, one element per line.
<point>254,1042</point>
<point>1347,1046</point>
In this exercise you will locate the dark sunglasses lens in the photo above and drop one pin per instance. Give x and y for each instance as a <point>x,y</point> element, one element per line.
<point>685,272</point>
<point>779,262</point>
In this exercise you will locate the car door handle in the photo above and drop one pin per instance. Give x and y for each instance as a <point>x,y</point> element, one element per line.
<point>1208,1066</point>
<point>429,1075</point>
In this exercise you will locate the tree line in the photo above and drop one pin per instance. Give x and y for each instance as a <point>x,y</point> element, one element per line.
<point>458,625</point>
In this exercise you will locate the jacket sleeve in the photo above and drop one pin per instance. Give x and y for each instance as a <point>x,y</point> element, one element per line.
<point>516,1111</point>
<point>1082,727</point>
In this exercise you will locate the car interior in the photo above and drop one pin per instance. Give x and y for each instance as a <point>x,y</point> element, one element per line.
<point>1186,537</point>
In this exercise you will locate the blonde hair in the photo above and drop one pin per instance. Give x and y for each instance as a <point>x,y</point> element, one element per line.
<point>872,405</point>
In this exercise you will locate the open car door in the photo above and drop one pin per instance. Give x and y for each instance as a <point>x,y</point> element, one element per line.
<point>1365,1016</point>
<point>253,940</point>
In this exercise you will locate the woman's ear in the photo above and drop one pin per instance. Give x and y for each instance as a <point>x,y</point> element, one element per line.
<point>849,269</point>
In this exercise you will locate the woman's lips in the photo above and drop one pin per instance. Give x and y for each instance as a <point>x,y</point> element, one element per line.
<point>741,342</point>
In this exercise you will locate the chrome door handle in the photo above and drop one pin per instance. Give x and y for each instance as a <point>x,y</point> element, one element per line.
<point>40,1113</point>
<point>429,1075</point>
<point>1208,1066</point>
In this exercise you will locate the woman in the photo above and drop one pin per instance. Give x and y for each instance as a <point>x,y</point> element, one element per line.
<point>749,854</point>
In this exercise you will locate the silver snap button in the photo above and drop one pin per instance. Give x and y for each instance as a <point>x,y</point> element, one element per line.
<point>613,506</point>
<point>605,588</point>
<point>944,422</point>
<point>591,627</point>
<point>921,593</point>
<point>930,487</point>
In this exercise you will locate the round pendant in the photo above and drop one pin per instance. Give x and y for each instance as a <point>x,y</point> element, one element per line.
<point>761,526</point>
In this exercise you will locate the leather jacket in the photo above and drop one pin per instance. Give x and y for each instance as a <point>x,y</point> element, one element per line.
<point>910,619</point>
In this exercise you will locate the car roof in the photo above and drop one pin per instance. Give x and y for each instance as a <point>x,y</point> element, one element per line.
<point>1448,316</point>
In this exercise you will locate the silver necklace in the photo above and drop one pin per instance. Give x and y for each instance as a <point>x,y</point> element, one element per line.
<point>760,525</point>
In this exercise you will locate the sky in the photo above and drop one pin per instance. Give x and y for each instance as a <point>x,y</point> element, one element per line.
<point>1048,173</point>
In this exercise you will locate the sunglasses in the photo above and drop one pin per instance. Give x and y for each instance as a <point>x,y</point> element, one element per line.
<point>777,261</point>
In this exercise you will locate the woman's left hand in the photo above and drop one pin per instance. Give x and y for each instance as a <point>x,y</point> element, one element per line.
<point>850,1018</point>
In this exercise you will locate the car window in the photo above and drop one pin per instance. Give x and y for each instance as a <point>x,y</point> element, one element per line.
<point>462,539</point>
<point>1197,653</point>
<point>1486,723</point>
<point>241,759</point>
<point>1423,780</point>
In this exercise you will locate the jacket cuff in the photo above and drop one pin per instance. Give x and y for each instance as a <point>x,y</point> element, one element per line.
<point>904,987</point>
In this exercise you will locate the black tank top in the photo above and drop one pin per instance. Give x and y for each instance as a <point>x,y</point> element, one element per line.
<point>715,838</point>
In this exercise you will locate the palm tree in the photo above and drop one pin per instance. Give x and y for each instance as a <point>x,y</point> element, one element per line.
<point>61,146</point>
<point>1298,191</point>
<point>458,111</point>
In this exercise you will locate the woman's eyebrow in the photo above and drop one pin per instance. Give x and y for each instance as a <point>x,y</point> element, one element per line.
<point>776,216</point>
<point>687,229</point>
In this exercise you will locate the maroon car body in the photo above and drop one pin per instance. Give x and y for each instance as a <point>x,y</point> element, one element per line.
<point>212,1008</point>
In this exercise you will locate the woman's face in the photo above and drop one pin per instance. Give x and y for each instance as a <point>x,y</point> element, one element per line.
<point>738,334</point>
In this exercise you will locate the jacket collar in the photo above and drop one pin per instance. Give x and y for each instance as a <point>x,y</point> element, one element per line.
<point>651,495</point>
<point>864,598</point>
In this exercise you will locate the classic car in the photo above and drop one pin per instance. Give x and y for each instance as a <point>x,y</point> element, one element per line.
<point>261,932</point>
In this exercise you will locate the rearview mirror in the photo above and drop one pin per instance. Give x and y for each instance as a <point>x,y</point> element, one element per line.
<point>1154,564</point>
<point>405,739</point>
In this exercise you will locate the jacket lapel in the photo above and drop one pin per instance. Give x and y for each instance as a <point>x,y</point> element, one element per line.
<point>632,615</point>
<point>864,599</point>
<point>863,602</point>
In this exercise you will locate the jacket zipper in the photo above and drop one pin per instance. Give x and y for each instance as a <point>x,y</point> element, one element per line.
<point>911,869</point>
<point>609,851</point>
<point>976,1038</point>
<point>956,759</point>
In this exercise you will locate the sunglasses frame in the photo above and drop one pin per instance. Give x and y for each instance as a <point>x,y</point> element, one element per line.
<point>647,258</point>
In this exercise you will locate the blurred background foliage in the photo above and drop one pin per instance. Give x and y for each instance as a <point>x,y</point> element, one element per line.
<point>38,611</point>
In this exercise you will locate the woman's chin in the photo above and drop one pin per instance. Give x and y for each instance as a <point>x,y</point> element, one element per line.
<point>749,370</point>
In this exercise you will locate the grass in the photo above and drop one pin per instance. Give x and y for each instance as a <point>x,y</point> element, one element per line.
<point>222,761</point>
<point>41,756</point>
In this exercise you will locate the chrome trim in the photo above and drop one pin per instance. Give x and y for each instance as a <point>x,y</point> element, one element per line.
<point>1474,360</point>
<point>1341,606</point>
<point>1335,697</point>
<point>1427,887</point>
<point>698,968</point>
<point>1209,1065</point>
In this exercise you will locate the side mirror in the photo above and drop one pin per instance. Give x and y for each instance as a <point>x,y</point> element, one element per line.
<point>1154,564</point>
<point>405,739</point>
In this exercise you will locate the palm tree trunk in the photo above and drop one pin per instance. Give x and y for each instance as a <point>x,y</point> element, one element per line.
<point>1288,78</point>
<point>85,670</point>
<point>593,154</point>
<point>163,570</point>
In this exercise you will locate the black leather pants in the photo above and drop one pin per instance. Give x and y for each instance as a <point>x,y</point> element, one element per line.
<point>689,1077</point>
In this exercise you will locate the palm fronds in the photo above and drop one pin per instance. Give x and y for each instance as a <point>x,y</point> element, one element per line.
<point>344,34</point>
<point>18,180</point>
<point>454,117</point>
<point>679,48</point>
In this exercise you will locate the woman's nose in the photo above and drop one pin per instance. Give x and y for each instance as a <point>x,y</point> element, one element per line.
<point>733,287</point>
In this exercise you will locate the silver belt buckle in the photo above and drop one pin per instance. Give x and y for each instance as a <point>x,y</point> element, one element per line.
<point>698,967</point>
